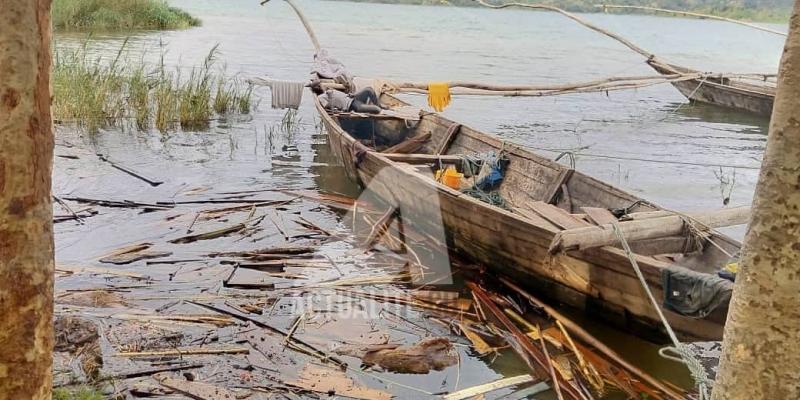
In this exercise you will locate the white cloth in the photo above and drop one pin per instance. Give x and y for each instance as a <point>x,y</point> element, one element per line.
<point>286,94</point>
<point>327,67</point>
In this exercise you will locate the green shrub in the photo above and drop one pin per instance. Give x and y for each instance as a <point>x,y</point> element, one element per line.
<point>108,15</point>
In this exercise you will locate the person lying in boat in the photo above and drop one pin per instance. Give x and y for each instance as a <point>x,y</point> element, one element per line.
<point>363,101</point>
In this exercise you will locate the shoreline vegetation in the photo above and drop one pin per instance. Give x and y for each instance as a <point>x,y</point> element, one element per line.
<point>770,11</point>
<point>115,15</point>
<point>93,93</point>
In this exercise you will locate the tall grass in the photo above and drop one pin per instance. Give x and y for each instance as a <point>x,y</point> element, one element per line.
<point>119,15</point>
<point>95,93</point>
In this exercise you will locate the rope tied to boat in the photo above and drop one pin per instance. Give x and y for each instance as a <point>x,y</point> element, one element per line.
<point>698,234</point>
<point>570,155</point>
<point>685,354</point>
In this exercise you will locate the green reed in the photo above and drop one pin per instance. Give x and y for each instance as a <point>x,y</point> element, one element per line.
<point>95,94</point>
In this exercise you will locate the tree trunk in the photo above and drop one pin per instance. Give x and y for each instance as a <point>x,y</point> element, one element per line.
<point>26,228</point>
<point>761,349</point>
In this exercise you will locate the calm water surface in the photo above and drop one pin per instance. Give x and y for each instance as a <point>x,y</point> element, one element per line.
<point>518,46</point>
<point>447,43</point>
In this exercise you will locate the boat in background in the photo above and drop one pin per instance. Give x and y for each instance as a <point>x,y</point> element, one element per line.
<point>720,91</point>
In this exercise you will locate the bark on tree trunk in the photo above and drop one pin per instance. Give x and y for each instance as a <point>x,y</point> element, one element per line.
<point>761,349</point>
<point>26,228</point>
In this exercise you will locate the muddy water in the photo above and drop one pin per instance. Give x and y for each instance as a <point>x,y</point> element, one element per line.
<point>416,43</point>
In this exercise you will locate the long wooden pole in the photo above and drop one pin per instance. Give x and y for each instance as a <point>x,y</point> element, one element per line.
<point>306,24</point>
<point>500,87</point>
<point>692,14</point>
<point>652,228</point>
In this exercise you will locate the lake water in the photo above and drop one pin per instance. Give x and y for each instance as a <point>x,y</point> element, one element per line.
<point>423,43</point>
<point>517,46</point>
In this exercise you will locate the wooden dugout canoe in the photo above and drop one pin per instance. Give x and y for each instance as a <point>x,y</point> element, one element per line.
<point>725,92</point>
<point>545,198</point>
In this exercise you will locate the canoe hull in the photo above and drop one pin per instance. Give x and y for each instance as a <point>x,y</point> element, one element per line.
<point>599,281</point>
<point>749,98</point>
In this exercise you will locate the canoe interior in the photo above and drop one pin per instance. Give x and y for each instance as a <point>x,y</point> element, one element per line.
<point>528,178</point>
<point>601,276</point>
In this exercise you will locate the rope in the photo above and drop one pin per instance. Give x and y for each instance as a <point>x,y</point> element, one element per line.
<point>493,198</point>
<point>696,234</point>
<point>685,353</point>
<point>702,81</point>
<point>568,154</point>
<point>649,159</point>
<point>606,7</point>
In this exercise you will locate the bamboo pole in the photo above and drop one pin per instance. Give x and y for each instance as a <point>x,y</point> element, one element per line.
<point>486,89</point>
<point>500,87</point>
<point>533,356</point>
<point>691,14</point>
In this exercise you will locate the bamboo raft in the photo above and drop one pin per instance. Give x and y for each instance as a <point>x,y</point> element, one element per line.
<point>720,91</point>
<point>554,235</point>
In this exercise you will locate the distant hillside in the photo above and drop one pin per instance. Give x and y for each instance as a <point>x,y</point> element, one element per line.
<point>748,10</point>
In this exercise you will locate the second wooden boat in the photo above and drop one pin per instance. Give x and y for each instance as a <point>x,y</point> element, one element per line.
<point>548,207</point>
<point>725,92</point>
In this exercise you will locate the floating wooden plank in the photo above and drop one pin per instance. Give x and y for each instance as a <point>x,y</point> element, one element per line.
<point>263,266</point>
<point>489,387</point>
<point>187,318</point>
<point>600,216</point>
<point>237,280</point>
<point>127,258</point>
<point>184,352</point>
<point>334,382</point>
<point>210,235</point>
<point>97,270</point>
